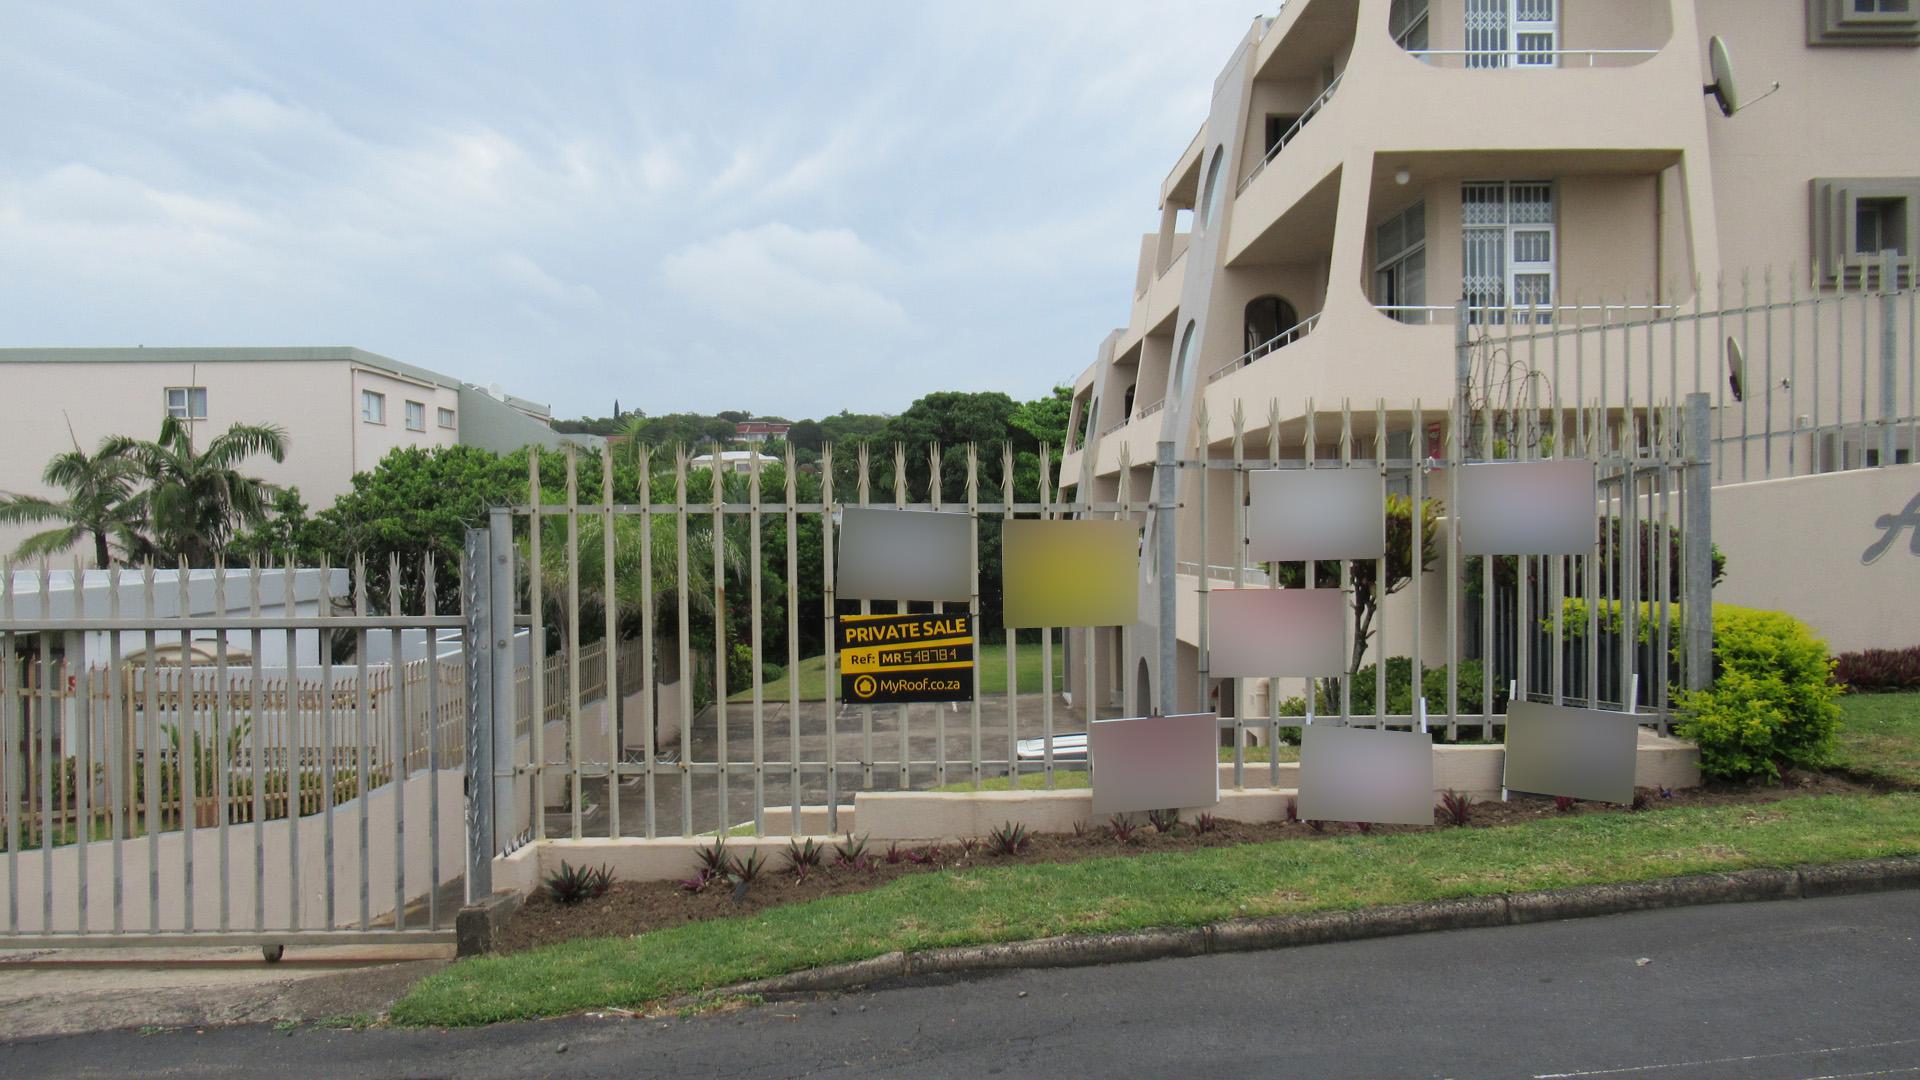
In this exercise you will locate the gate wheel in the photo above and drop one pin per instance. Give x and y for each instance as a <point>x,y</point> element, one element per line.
<point>273,953</point>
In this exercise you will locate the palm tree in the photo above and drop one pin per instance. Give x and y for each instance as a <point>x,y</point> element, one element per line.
<point>101,503</point>
<point>197,499</point>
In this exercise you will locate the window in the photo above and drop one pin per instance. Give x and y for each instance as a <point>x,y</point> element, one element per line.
<point>446,418</point>
<point>187,402</point>
<point>1400,264</point>
<point>1507,249</point>
<point>1407,22</point>
<point>1879,225</point>
<point>1511,33</point>
<point>416,416</point>
<point>1863,22</point>
<point>1857,218</point>
<point>373,407</point>
<point>1267,317</point>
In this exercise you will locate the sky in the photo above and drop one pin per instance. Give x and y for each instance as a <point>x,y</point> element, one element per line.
<point>784,208</point>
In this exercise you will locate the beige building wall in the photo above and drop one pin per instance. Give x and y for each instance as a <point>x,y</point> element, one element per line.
<point>48,407</point>
<point>371,442</point>
<point>1799,545</point>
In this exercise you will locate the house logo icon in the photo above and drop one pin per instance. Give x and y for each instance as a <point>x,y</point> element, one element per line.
<point>1894,524</point>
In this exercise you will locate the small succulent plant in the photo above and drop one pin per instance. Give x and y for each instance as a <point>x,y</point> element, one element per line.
<point>1564,803</point>
<point>1456,808</point>
<point>1011,838</point>
<point>1164,821</point>
<point>1205,823</point>
<point>804,856</point>
<point>572,884</point>
<point>1124,831</point>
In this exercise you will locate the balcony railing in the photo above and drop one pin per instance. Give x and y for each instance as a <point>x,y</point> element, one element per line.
<point>1293,132</point>
<point>1518,314</point>
<point>1151,409</point>
<point>1253,575</point>
<point>1280,340</point>
<point>1490,59</point>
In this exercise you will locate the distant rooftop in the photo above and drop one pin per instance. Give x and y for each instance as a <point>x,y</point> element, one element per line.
<point>236,354</point>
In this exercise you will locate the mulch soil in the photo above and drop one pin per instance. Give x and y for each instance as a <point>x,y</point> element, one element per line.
<point>629,908</point>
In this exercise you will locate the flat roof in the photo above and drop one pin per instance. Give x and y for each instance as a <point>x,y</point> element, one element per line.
<point>223,354</point>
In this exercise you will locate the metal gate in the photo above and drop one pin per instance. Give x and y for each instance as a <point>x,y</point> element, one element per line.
<point>230,756</point>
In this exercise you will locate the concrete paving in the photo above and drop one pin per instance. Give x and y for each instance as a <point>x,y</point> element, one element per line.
<point>55,992</point>
<point>1765,991</point>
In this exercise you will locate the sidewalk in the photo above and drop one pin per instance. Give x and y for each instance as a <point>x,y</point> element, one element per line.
<point>64,991</point>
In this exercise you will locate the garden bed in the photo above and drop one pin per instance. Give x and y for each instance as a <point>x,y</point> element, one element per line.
<point>630,908</point>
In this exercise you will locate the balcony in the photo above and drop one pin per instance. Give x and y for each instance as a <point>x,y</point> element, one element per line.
<point>1278,341</point>
<point>1312,110</point>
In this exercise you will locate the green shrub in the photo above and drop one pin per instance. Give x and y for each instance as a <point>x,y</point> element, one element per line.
<point>1773,703</point>
<point>1433,684</point>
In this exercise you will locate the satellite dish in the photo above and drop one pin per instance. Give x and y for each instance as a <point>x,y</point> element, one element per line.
<point>1722,86</point>
<point>1736,370</point>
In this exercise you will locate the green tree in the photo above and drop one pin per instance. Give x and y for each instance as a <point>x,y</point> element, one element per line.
<point>102,504</point>
<point>419,501</point>
<point>288,534</point>
<point>196,500</point>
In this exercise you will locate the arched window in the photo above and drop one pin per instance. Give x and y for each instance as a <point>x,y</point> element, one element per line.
<point>1267,318</point>
<point>1127,409</point>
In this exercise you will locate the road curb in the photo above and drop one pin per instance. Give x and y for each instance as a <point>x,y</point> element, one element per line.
<point>1287,931</point>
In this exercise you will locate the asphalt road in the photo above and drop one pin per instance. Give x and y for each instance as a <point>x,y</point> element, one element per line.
<point>1796,989</point>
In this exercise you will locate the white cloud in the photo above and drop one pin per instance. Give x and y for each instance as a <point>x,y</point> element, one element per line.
<point>776,279</point>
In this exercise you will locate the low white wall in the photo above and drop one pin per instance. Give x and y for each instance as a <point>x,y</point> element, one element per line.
<point>1798,545</point>
<point>276,840</point>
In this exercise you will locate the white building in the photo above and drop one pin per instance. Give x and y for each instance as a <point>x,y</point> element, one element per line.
<point>343,410</point>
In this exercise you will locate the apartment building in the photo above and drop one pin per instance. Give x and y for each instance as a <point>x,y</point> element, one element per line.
<point>1367,165</point>
<point>343,409</point>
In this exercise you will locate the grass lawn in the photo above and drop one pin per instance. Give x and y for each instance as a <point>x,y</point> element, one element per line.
<point>1880,736</point>
<point>993,674</point>
<point>1184,888</point>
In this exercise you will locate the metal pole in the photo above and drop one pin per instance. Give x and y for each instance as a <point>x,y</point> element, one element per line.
<point>1889,312</point>
<point>1698,612</point>
<point>479,662</point>
<point>1462,376</point>
<point>1165,513</point>
<point>506,821</point>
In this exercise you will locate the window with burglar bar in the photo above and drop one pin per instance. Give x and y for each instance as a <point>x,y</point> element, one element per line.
<point>1507,250</point>
<point>1512,33</point>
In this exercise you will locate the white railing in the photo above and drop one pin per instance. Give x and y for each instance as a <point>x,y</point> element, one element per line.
<point>1280,340</point>
<point>1293,132</point>
<point>1251,575</point>
<point>1116,426</point>
<point>1151,409</point>
<point>1520,314</point>
<point>1532,58</point>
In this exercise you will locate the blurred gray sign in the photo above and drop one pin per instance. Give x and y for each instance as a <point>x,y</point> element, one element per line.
<point>890,554</point>
<point>1258,632</point>
<point>1155,763</point>
<point>1359,774</point>
<point>1297,514</point>
<point>1527,507</point>
<point>1579,753</point>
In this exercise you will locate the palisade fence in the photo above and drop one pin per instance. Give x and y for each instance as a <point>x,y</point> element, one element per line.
<point>1601,629</point>
<point>163,783</point>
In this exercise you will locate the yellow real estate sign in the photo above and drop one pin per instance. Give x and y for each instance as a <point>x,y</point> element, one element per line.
<point>895,659</point>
